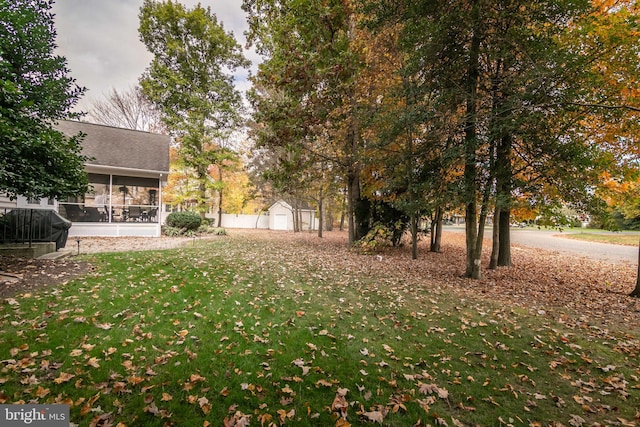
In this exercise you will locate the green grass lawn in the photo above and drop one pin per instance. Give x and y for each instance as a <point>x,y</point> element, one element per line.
<point>630,239</point>
<point>251,332</point>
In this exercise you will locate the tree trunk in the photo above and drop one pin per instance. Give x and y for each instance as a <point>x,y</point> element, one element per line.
<point>220,196</point>
<point>473,267</point>
<point>636,291</point>
<point>436,231</point>
<point>344,208</point>
<point>201,204</point>
<point>504,174</point>
<point>320,214</point>
<point>414,237</point>
<point>495,244</point>
<point>504,251</point>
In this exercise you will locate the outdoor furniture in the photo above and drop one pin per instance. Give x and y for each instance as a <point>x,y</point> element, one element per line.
<point>152,214</point>
<point>135,213</point>
<point>91,214</point>
<point>74,213</point>
<point>104,214</point>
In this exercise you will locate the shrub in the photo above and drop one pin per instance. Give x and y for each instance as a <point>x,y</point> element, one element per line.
<point>184,220</point>
<point>377,238</point>
<point>171,231</point>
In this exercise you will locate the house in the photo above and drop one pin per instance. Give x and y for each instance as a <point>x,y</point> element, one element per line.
<point>281,217</point>
<point>127,170</point>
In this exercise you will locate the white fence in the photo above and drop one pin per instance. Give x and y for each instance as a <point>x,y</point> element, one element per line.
<point>243,221</point>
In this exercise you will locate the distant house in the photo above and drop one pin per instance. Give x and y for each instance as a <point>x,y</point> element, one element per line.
<point>127,170</point>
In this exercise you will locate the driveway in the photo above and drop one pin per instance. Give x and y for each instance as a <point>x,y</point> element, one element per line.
<point>552,240</point>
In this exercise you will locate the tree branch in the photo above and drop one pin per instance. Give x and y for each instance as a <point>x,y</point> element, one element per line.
<point>608,107</point>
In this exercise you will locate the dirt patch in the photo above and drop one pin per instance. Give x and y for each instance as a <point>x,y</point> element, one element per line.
<point>28,275</point>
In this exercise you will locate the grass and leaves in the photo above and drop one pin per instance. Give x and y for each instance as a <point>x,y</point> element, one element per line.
<point>240,331</point>
<point>629,239</point>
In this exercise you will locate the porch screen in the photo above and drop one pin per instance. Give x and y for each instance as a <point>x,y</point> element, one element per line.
<point>114,198</point>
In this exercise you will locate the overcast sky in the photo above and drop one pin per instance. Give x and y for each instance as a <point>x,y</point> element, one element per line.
<point>100,40</point>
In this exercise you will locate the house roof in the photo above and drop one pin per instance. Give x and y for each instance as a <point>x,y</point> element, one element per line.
<point>120,148</point>
<point>281,202</point>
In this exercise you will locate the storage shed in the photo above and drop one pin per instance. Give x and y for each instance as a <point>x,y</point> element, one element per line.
<point>281,217</point>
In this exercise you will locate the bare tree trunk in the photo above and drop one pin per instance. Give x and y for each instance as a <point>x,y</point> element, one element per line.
<point>320,214</point>
<point>220,196</point>
<point>436,231</point>
<point>636,291</point>
<point>504,252</point>
<point>343,210</point>
<point>414,237</point>
<point>201,205</point>
<point>495,244</point>
<point>474,267</point>
<point>296,219</point>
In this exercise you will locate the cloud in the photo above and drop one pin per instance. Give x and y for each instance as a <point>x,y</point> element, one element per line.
<point>100,41</point>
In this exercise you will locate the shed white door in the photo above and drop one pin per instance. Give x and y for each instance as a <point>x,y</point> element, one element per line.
<point>280,222</point>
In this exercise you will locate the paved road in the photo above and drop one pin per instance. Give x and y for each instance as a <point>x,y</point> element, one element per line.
<point>553,241</point>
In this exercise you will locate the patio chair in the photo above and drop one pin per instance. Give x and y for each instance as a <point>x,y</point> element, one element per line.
<point>74,212</point>
<point>104,214</point>
<point>152,215</point>
<point>135,212</point>
<point>91,214</point>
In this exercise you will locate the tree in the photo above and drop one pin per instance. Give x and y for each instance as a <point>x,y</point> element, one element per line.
<point>128,109</point>
<point>305,97</point>
<point>36,90</point>
<point>190,82</point>
<point>516,80</point>
<point>636,291</point>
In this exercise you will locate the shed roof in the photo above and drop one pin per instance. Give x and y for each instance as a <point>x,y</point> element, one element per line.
<point>121,148</point>
<point>286,205</point>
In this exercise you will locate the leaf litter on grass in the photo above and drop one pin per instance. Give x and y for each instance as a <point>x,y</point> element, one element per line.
<point>263,331</point>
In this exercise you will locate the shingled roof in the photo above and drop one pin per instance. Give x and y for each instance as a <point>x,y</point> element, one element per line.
<point>121,148</point>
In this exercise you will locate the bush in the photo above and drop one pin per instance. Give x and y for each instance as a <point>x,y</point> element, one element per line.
<point>377,238</point>
<point>184,220</point>
<point>171,231</point>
